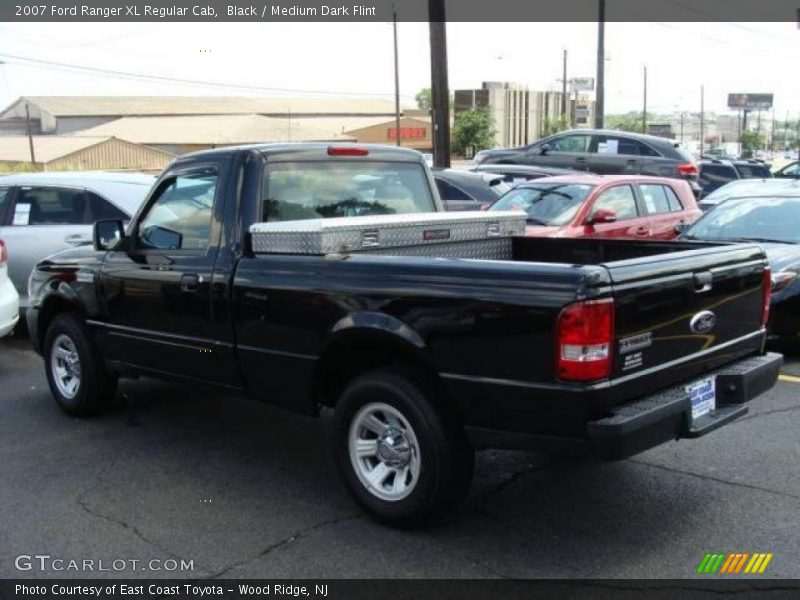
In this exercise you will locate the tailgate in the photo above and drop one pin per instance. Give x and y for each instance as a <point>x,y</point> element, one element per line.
<point>703,303</point>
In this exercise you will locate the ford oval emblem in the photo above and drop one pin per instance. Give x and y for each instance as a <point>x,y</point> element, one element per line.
<point>703,322</point>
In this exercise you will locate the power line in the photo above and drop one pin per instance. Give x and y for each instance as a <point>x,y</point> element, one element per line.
<point>53,65</point>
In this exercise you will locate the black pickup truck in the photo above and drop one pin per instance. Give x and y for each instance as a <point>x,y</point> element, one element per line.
<point>426,342</point>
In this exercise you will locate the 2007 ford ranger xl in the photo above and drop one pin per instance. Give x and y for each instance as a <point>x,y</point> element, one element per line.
<point>308,276</point>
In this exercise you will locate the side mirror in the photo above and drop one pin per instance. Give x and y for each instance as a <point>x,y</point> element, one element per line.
<point>485,206</point>
<point>681,226</point>
<point>544,149</point>
<point>107,234</point>
<point>602,215</point>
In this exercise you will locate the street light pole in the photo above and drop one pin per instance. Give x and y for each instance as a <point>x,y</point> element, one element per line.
<point>702,120</point>
<point>564,89</point>
<point>644,107</point>
<point>601,64</point>
<point>396,79</point>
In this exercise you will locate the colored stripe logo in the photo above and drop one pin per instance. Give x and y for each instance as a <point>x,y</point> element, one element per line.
<point>734,563</point>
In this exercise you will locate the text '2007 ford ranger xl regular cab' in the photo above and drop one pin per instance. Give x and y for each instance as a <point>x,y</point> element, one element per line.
<point>428,335</point>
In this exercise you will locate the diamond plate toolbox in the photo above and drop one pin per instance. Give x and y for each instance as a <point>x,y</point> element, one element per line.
<point>348,234</point>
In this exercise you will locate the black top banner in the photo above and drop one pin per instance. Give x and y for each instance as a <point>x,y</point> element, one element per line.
<point>406,10</point>
<point>394,589</point>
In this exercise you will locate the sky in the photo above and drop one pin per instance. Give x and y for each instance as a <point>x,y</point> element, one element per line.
<point>305,59</point>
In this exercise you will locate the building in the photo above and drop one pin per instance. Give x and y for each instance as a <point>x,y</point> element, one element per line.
<point>179,135</point>
<point>68,114</point>
<point>522,116</point>
<point>70,153</point>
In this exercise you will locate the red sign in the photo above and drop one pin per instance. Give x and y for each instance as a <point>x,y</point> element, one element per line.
<point>408,133</point>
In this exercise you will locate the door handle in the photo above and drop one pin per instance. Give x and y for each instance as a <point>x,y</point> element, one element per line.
<point>191,283</point>
<point>76,239</point>
<point>643,230</point>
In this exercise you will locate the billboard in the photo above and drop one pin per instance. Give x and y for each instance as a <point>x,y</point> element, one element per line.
<point>750,101</point>
<point>581,84</point>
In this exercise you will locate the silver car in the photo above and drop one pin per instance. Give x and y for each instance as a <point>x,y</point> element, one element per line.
<point>42,213</point>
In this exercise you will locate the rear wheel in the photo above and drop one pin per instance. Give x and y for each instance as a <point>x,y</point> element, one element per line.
<point>76,373</point>
<point>398,454</point>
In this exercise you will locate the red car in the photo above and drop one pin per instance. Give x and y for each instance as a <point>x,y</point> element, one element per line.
<point>618,206</point>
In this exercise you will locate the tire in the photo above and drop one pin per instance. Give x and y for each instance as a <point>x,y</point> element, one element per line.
<point>416,443</point>
<point>76,373</point>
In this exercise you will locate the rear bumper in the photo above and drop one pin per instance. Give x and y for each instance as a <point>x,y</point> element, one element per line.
<point>649,421</point>
<point>9,308</point>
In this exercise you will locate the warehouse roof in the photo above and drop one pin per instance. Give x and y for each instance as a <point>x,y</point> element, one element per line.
<point>216,129</point>
<point>63,106</point>
<point>15,148</point>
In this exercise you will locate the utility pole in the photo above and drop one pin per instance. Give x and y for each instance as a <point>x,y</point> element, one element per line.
<point>564,89</point>
<point>601,64</point>
<point>30,134</point>
<point>702,120</point>
<point>644,107</point>
<point>440,93</point>
<point>396,78</point>
<point>681,128</point>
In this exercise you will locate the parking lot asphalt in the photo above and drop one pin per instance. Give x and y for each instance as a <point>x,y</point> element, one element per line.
<point>245,490</point>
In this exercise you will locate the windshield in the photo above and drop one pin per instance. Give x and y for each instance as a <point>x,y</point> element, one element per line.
<point>546,203</point>
<point>313,190</point>
<point>757,219</point>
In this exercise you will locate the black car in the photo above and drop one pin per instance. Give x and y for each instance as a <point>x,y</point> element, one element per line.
<point>515,174</point>
<point>601,151</point>
<point>771,220</point>
<point>715,172</point>
<point>465,190</point>
<point>790,171</point>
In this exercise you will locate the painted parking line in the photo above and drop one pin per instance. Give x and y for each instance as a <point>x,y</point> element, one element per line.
<point>789,378</point>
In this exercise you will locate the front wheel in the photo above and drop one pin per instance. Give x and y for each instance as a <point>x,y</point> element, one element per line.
<point>399,455</point>
<point>76,373</point>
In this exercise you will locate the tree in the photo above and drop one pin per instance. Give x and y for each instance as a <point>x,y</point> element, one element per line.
<point>473,130</point>
<point>424,99</point>
<point>554,125</point>
<point>631,121</point>
<point>750,141</point>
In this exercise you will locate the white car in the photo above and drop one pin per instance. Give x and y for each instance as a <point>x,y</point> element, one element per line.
<point>9,299</point>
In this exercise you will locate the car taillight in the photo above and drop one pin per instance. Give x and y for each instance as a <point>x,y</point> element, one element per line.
<point>585,335</point>
<point>347,151</point>
<point>3,252</point>
<point>767,294</point>
<point>688,169</point>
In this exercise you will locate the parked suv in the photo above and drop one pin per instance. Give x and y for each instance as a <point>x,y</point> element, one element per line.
<point>604,152</point>
<point>714,172</point>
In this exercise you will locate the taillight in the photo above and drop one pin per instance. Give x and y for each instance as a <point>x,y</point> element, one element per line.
<point>3,252</point>
<point>767,294</point>
<point>347,151</point>
<point>688,169</point>
<point>585,337</point>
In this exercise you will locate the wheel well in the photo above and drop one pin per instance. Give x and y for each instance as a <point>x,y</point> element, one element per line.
<point>357,353</point>
<point>53,306</point>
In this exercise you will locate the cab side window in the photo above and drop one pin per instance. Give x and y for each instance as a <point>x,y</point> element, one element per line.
<point>180,216</point>
<point>570,143</point>
<point>620,199</point>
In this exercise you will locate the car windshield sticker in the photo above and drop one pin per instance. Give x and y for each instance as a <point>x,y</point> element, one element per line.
<point>22,214</point>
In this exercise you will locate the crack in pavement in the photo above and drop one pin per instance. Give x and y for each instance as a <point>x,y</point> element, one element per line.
<point>296,535</point>
<point>101,481</point>
<point>716,479</point>
<point>764,413</point>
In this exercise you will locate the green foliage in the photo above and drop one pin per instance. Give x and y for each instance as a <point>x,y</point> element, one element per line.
<point>17,168</point>
<point>751,141</point>
<point>473,130</point>
<point>554,125</point>
<point>424,99</point>
<point>631,121</point>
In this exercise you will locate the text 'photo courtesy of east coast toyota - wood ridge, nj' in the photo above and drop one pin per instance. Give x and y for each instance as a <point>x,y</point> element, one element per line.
<point>402,299</point>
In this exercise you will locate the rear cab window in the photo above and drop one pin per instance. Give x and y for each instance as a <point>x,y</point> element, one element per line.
<point>324,189</point>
